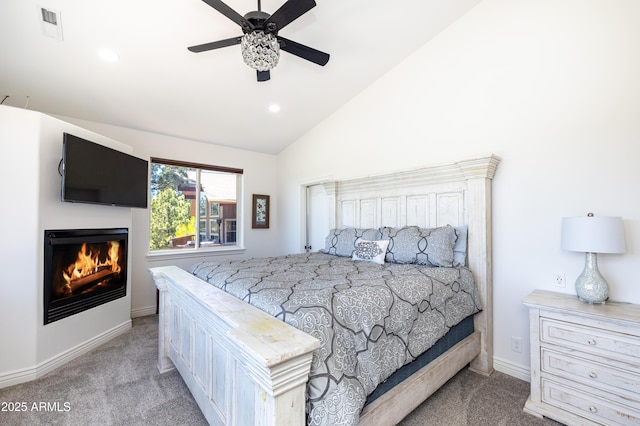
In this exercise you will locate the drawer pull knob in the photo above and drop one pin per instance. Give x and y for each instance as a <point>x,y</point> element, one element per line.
<point>592,342</point>
<point>593,375</point>
<point>593,409</point>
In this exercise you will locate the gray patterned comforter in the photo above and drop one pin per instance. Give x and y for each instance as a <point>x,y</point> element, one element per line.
<point>370,319</point>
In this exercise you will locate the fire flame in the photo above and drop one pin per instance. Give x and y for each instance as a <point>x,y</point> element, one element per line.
<point>88,262</point>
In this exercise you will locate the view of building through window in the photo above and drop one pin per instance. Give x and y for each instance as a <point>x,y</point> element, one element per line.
<point>192,206</point>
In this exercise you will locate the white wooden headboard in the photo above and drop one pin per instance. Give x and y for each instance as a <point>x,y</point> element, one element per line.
<point>454,194</point>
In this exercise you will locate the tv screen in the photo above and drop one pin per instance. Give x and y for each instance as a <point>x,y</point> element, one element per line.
<point>94,173</point>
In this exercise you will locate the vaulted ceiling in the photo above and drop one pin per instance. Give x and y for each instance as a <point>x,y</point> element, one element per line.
<point>157,85</point>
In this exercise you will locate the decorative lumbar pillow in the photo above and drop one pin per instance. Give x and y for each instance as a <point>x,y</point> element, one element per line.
<point>460,246</point>
<point>370,251</point>
<point>342,242</point>
<point>423,246</point>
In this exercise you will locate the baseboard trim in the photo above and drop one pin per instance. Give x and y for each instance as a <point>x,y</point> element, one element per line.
<point>514,370</point>
<point>33,373</point>
<point>143,312</point>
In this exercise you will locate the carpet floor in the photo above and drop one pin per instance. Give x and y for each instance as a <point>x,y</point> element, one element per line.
<point>119,384</point>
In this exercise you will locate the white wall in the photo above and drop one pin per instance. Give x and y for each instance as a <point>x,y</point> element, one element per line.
<point>259,178</point>
<point>20,234</point>
<point>551,87</point>
<point>31,148</point>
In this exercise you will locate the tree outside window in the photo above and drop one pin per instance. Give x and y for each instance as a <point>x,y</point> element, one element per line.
<point>186,194</point>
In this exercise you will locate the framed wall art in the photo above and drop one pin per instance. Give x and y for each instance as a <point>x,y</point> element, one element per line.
<point>260,216</point>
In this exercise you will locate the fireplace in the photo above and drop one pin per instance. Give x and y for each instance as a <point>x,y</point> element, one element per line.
<point>83,268</point>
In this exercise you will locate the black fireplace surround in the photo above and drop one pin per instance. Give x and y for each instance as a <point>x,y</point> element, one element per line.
<point>83,268</point>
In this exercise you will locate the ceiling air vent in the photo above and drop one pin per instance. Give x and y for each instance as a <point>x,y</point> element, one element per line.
<point>50,22</point>
<point>49,16</point>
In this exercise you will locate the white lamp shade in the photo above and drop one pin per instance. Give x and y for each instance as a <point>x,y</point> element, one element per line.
<point>593,234</point>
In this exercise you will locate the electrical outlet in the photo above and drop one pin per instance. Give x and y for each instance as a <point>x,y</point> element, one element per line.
<point>516,344</point>
<point>559,280</point>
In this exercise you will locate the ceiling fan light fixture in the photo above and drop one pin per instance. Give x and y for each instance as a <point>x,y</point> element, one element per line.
<point>260,50</point>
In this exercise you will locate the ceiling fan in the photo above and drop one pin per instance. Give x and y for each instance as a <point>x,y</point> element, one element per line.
<point>261,43</point>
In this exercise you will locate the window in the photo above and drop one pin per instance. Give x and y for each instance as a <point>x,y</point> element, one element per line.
<point>186,194</point>
<point>230,230</point>
<point>214,209</point>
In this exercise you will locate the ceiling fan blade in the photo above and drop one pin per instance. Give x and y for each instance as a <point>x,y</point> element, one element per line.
<point>230,13</point>
<point>289,12</point>
<point>263,75</point>
<point>215,44</point>
<point>304,52</point>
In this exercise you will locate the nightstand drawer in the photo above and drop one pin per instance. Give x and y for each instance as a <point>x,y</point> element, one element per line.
<point>589,339</point>
<point>625,383</point>
<point>589,406</point>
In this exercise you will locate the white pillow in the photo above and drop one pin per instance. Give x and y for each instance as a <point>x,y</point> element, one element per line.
<point>370,251</point>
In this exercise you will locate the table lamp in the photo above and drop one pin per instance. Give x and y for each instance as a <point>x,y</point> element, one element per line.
<point>592,234</point>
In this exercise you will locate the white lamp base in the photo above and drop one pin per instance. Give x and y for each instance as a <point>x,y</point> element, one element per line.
<point>591,287</point>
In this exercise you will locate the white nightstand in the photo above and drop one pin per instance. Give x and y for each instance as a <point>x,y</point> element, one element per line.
<point>585,360</point>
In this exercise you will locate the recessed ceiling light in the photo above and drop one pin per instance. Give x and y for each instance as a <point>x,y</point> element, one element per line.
<point>108,55</point>
<point>274,108</point>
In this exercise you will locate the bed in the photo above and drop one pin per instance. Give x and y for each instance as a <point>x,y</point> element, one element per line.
<point>246,366</point>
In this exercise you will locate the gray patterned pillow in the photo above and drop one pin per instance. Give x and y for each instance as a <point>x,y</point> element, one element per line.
<point>342,242</point>
<point>423,246</point>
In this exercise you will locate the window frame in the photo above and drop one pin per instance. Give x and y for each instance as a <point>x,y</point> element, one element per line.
<point>197,250</point>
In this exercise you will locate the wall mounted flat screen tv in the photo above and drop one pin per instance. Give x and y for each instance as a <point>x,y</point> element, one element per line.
<point>93,173</point>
